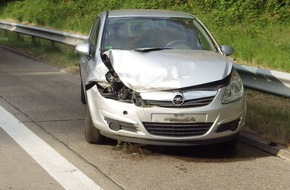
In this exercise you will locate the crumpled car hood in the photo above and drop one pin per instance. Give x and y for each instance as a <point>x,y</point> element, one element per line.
<point>168,69</point>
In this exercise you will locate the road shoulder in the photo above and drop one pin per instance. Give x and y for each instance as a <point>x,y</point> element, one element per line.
<point>267,146</point>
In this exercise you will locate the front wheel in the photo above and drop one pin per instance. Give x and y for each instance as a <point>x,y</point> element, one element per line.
<point>83,96</point>
<point>92,134</point>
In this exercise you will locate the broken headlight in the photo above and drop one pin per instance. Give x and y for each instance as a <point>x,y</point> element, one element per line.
<point>234,90</point>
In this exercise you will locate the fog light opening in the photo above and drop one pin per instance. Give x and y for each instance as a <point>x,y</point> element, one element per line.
<point>230,126</point>
<point>234,126</point>
<point>114,126</point>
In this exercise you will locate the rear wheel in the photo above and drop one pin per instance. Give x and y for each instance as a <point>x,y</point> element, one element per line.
<point>92,134</point>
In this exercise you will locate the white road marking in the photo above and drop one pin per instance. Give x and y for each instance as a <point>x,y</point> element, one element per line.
<point>69,176</point>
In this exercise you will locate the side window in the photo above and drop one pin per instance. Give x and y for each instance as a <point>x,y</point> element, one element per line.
<point>94,37</point>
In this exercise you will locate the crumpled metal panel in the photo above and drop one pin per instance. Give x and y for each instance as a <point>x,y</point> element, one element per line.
<point>168,69</point>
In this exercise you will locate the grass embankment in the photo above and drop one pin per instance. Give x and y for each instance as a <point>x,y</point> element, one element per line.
<point>60,55</point>
<point>260,38</point>
<point>258,30</point>
<point>269,117</point>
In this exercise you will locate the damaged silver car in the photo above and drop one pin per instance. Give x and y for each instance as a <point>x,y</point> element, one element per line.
<point>158,77</point>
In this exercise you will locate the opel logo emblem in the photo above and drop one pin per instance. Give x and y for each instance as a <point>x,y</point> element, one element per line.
<point>178,99</point>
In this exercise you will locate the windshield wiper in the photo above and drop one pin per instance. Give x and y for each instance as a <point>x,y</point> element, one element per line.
<point>149,49</point>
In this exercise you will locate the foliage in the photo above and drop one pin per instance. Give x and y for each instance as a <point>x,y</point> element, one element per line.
<point>54,12</point>
<point>259,30</point>
<point>66,14</point>
<point>3,2</point>
<point>235,11</point>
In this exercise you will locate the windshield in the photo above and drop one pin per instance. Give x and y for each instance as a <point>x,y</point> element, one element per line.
<point>156,33</point>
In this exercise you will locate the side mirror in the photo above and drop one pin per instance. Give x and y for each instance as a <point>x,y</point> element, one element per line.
<point>227,50</point>
<point>83,49</point>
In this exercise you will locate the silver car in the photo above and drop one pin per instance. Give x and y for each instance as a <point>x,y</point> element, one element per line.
<point>159,77</point>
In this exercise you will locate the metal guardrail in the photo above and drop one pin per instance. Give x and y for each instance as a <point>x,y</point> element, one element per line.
<point>53,35</point>
<point>269,81</point>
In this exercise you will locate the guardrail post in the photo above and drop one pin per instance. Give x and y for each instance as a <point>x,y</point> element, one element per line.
<point>33,39</point>
<point>4,32</point>
<point>17,35</point>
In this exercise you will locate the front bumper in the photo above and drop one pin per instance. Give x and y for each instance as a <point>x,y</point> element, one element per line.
<point>209,124</point>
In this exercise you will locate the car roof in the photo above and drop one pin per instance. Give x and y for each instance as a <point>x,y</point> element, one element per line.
<point>147,13</point>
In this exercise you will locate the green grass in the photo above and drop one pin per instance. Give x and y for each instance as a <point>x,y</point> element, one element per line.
<point>58,54</point>
<point>269,117</point>
<point>256,44</point>
<point>259,31</point>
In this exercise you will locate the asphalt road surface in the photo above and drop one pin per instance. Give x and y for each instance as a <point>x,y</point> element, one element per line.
<point>42,145</point>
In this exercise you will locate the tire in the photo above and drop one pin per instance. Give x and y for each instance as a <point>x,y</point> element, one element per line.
<point>92,134</point>
<point>83,96</point>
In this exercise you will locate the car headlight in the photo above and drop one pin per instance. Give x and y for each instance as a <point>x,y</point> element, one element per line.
<point>234,90</point>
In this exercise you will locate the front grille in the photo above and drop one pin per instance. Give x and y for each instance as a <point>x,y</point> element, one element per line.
<point>177,129</point>
<point>188,103</point>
